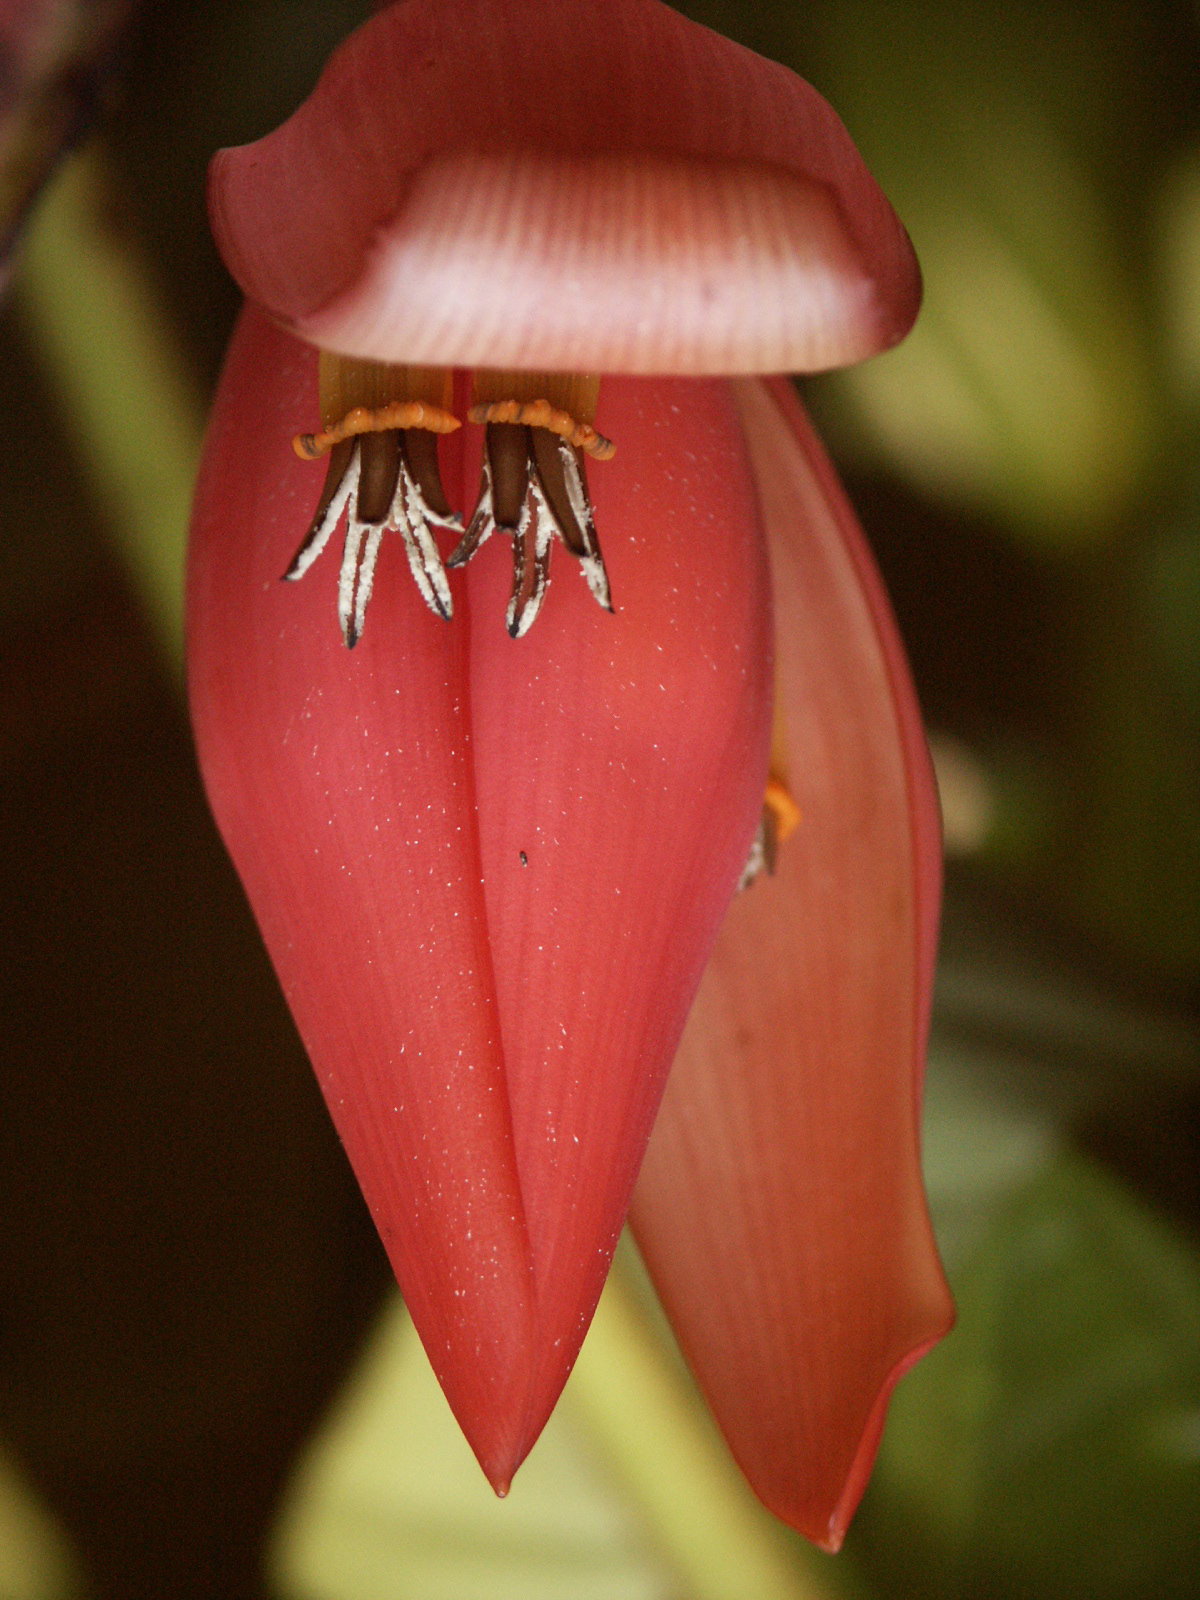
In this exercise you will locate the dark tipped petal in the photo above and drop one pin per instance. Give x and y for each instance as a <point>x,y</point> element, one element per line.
<point>425,564</point>
<point>508,456</point>
<point>366,582</point>
<point>548,451</point>
<point>559,473</point>
<point>379,474</point>
<point>482,524</point>
<point>421,457</point>
<point>529,583</point>
<point>348,579</point>
<point>516,603</point>
<point>522,617</point>
<point>325,516</point>
<point>597,579</point>
<point>478,530</point>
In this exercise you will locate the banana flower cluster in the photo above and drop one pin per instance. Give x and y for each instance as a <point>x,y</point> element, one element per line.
<point>528,269</point>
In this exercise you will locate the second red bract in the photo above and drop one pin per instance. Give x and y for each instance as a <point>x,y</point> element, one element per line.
<point>490,873</point>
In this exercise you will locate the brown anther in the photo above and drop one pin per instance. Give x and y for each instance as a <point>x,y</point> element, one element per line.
<point>381,419</point>
<point>507,447</point>
<point>541,414</point>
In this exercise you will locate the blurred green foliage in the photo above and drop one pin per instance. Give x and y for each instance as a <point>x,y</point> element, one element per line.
<point>1068,1399</point>
<point>1045,161</point>
<point>1028,391</point>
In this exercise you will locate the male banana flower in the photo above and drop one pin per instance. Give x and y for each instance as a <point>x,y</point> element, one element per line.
<point>502,266</point>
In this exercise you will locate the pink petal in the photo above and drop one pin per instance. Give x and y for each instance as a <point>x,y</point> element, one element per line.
<point>625,756</point>
<point>551,184</point>
<point>344,789</point>
<point>780,1208</point>
<point>492,1035</point>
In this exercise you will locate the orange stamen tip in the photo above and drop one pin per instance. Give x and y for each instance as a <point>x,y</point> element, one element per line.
<point>541,414</point>
<point>399,414</point>
<point>783,808</point>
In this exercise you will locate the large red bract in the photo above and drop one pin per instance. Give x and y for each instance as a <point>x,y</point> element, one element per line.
<point>784,1171</point>
<point>490,873</point>
<point>492,1033</point>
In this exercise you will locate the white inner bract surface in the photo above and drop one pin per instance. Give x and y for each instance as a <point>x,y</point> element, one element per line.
<point>638,264</point>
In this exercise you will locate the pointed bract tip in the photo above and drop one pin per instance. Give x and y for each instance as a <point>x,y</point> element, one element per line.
<point>942,1320</point>
<point>378,865</point>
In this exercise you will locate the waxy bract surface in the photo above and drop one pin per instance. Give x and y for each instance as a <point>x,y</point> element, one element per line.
<point>780,1208</point>
<point>491,1037</point>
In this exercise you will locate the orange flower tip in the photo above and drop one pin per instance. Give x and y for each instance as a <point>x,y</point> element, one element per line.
<point>780,817</point>
<point>541,414</point>
<point>380,419</point>
<point>784,810</point>
<point>534,488</point>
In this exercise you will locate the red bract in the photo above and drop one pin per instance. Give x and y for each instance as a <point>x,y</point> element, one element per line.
<point>490,872</point>
<point>784,1171</point>
<point>570,186</point>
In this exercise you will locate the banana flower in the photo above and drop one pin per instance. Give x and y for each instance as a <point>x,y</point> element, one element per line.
<point>502,267</point>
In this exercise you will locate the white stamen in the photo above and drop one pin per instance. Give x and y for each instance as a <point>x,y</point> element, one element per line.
<point>483,521</point>
<point>319,537</point>
<point>519,625</point>
<point>597,579</point>
<point>366,575</point>
<point>756,861</point>
<point>576,494</point>
<point>349,573</point>
<point>592,563</point>
<point>424,557</point>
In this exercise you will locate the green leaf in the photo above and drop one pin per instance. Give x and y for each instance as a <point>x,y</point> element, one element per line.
<point>1051,1446</point>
